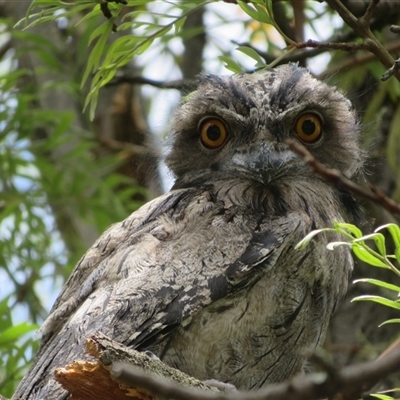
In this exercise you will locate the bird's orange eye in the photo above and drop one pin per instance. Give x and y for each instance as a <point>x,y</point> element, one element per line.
<point>308,127</point>
<point>213,133</point>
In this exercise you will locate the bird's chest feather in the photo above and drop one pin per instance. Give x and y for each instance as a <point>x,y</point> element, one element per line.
<point>258,334</point>
<point>277,303</point>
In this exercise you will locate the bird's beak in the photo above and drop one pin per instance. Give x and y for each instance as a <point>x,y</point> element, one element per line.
<point>265,160</point>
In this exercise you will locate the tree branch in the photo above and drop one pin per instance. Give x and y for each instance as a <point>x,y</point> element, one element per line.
<point>391,71</point>
<point>335,177</point>
<point>370,11</point>
<point>355,61</point>
<point>362,28</point>
<point>180,84</point>
<point>346,384</point>
<point>88,380</point>
<point>333,46</point>
<point>120,373</point>
<point>395,28</point>
<point>396,66</point>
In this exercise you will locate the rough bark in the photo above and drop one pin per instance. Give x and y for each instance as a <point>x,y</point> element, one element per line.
<point>87,380</point>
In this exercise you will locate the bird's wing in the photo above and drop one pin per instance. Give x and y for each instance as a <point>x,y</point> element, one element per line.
<point>221,274</point>
<point>145,275</point>
<point>79,285</point>
<point>192,254</point>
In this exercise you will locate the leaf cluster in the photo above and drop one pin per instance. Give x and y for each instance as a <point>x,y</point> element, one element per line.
<point>49,169</point>
<point>370,249</point>
<point>136,30</point>
<point>43,175</point>
<point>14,348</point>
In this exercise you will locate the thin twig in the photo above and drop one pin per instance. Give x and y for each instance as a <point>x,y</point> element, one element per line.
<point>334,177</point>
<point>333,46</point>
<point>303,52</point>
<point>391,71</point>
<point>179,84</point>
<point>370,11</point>
<point>298,55</point>
<point>345,14</point>
<point>361,27</point>
<point>395,28</point>
<point>385,201</point>
<point>355,61</point>
<point>348,381</point>
<point>396,66</point>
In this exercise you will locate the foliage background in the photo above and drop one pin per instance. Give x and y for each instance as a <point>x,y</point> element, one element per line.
<point>64,178</point>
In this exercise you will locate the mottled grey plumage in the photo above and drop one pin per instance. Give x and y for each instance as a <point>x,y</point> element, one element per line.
<point>206,276</point>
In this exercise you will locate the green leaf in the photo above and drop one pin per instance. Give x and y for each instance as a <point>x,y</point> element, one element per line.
<point>333,245</point>
<point>377,282</point>
<point>391,321</point>
<point>394,230</point>
<point>382,396</point>
<point>231,64</point>
<point>269,7</point>
<point>179,25</point>
<point>379,240</point>
<point>260,63</point>
<point>263,15</point>
<point>380,300</point>
<point>53,10</point>
<point>354,231</point>
<point>259,13</point>
<point>98,50</point>
<point>94,13</point>
<point>14,332</point>
<point>5,320</point>
<point>305,242</point>
<point>365,255</point>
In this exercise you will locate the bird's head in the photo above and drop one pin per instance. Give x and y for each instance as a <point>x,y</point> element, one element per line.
<point>237,126</point>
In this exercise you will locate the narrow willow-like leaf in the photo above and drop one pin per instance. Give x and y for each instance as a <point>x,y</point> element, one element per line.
<point>333,245</point>
<point>365,255</point>
<point>263,14</point>
<point>380,300</point>
<point>377,282</point>
<point>49,13</point>
<point>354,231</point>
<point>394,230</point>
<point>379,240</point>
<point>260,63</point>
<point>94,13</point>
<point>121,52</point>
<point>391,321</point>
<point>179,25</point>
<point>231,64</point>
<point>306,240</point>
<point>98,50</point>
<point>397,254</point>
<point>14,332</point>
<point>249,10</point>
<point>382,396</point>
<point>101,30</point>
